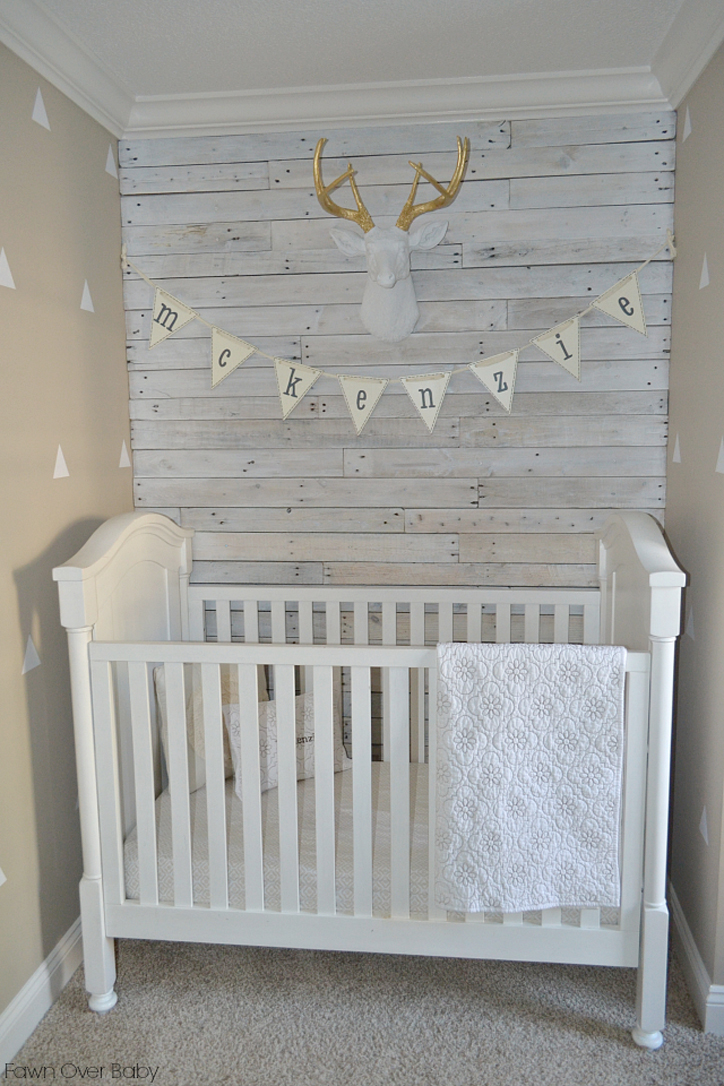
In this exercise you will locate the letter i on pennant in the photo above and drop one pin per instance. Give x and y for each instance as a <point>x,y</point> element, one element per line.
<point>498,376</point>
<point>563,345</point>
<point>227,352</point>
<point>427,391</point>
<point>361,394</point>
<point>294,380</point>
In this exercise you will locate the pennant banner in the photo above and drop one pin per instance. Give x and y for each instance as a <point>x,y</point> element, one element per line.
<point>294,380</point>
<point>427,391</point>
<point>498,376</point>
<point>624,303</point>
<point>168,316</point>
<point>361,395</point>
<point>563,345</point>
<point>227,352</point>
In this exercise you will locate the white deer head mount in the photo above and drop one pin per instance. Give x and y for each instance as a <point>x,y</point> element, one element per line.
<point>389,307</point>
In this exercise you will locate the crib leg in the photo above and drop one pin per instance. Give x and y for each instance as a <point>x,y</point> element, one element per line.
<point>99,960</point>
<point>651,978</point>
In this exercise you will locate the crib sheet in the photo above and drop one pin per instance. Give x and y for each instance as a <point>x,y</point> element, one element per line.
<point>307,850</point>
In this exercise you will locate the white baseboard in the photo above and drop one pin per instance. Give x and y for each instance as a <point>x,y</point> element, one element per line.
<point>36,997</point>
<point>708,998</point>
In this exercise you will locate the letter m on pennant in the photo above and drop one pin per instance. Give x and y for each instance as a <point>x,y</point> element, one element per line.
<point>168,316</point>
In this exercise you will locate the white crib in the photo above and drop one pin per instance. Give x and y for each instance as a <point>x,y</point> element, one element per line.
<point>342,860</point>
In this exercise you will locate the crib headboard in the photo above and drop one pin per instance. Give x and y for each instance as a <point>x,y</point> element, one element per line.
<point>640,583</point>
<point>130,580</point>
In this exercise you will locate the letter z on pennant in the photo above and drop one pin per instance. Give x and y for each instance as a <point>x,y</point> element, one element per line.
<point>169,314</point>
<point>294,380</point>
<point>498,376</point>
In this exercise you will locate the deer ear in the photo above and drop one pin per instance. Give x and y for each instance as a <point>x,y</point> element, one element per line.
<point>348,243</point>
<point>428,236</point>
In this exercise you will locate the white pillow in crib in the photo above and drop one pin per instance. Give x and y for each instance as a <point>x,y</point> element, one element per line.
<point>304,713</point>
<point>195,715</point>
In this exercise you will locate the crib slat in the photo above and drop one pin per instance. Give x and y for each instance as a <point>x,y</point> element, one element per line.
<point>334,623</point>
<point>223,620</point>
<point>502,623</point>
<point>434,912</point>
<point>287,789</point>
<point>215,791</point>
<point>389,637</point>
<point>143,779</point>
<point>178,772</point>
<point>278,622</point>
<point>361,623</point>
<point>532,624</point>
<point>109,799</point>
<point>560,624</point>
<point>399,791</point>
<point>513,919</point>
<point>251,787</point>
<point>445,622</point>
<point>590,623</point>
<point>251,622</point>
<point>417,684</point>
<point>590,918</point>
<point>362,789</point>
<point>551,918</point>
<point>306,622</point>
<point>324,789</point>
<point>475,623</point>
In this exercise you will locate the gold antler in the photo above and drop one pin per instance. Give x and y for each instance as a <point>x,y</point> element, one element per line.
<point>447,195</point>
<point>361,216</point>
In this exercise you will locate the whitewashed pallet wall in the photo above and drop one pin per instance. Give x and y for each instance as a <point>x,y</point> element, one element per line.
<point>552,213</point>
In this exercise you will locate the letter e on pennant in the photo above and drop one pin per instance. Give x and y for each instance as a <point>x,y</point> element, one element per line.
<point>361,395</point>
<point>294,380</point>
<point>623,302</point>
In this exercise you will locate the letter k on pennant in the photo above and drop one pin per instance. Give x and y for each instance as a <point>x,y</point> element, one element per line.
<point>168,316</point>
<point>293,381</point>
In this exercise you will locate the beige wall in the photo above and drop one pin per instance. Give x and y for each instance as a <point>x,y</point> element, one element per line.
<point>695,511</point>
<point>63,382</point>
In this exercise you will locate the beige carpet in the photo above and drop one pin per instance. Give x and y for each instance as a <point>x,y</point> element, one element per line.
<point>259,1017</point>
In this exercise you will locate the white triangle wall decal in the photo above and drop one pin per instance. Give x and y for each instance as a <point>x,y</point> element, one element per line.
<point>86,301</point>
<point>687,126</point>
<point>39,114</point>
<point>677,451</point>
<point>61,468</point>
<point>720,458</point>
<point>2,876</point>
<point>6,276</point>
<point>31,657</point>
<point>704,281</point>
<point>703,826</point>
<point>125,458</point>
<point>689,631</point>
<point>111,163</point>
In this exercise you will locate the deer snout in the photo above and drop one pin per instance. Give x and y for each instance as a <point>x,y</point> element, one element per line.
<point>386,279</point>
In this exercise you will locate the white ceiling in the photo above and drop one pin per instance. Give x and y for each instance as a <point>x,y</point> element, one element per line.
<point>162,67</point>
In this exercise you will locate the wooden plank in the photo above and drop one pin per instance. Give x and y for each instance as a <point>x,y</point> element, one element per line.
<point>240,237</point>
<point>257,573</point>
<point>295,520</point>
<point>513,521</point>
<point>544,250</point>
<point>632,493</point>
<point>202,463</point>
<point>490,574</point>
<point>334,547</point>
<point>293,491</point>
<point>227,177</point>
<point>607,128</point>
<point>233,434</point>
<point>506,462</point>
<point>592,191</point>
<point>261,146</point>
<point>569,430</point>
<point>536,313</point>
<point>579,549</point>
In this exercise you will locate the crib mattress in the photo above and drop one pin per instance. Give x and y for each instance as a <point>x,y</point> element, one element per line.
<point>307,846</point>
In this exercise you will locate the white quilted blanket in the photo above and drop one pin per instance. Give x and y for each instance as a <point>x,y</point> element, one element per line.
<point>529,767</point>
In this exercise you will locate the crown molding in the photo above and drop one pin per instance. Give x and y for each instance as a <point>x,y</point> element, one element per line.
<point>693,38</point>
<point>29,31</point>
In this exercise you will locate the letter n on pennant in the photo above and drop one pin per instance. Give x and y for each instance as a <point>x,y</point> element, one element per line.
<point>427,391</point>
<point>168,316</point>
<point>563,345</point>
<point>498,376</point>
<point>294,380</point>
<point>227,352</point>
<point>624,303</point>
<point>361,394</point>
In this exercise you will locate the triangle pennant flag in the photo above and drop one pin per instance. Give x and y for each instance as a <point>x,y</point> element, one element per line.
<point>168,316</point>
<point>86,301</point>
<point>704,280</point>
<point>125,461</point>
<point>563,345</point>
<point>676,458</point>
<point>61,468</point>
<point>294,380</point>
<point>427,391</point>
<point>720,459</point>
<point>227,352</point>
<point>6,276</point>
<point>361,394</point>
<point>623,302</point>
<point>687,126</point>
<point>498,376</point>
<point>111,162</point>
<point>39,114</point>
<point>31,657</point>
